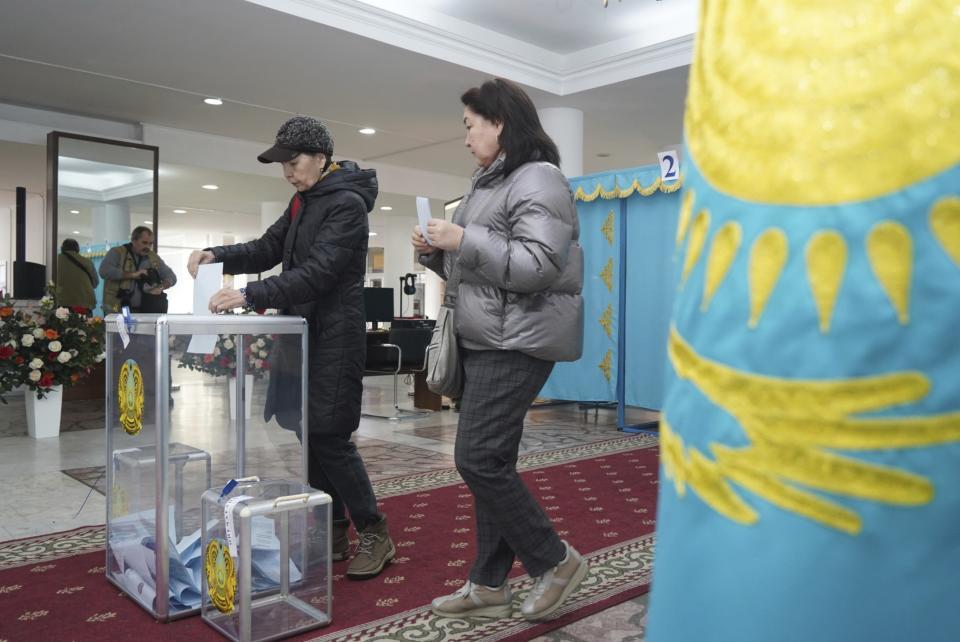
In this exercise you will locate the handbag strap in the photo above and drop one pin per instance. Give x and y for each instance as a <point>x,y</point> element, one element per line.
<point>79,265</point>
<point>453,286</point>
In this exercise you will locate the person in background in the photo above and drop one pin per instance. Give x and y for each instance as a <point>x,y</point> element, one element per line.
<point>321,241</point>
<point>77,279</point>
<point>135,276</point>
<point>514,242</point>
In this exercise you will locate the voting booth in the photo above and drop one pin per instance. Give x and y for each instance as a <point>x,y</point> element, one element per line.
<point>165,448</point>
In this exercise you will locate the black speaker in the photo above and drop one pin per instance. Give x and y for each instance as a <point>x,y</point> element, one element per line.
<point>409,283</point>
<point>29,280</point>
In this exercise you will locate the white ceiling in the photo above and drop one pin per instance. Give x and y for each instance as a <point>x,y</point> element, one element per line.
<point>152,61</point>
<point>561,26</point>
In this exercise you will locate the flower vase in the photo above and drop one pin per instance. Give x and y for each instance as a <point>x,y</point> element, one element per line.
<point>232,388</point>
<point>43,415</point>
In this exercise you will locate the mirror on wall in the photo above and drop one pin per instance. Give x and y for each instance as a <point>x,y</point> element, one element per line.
<point>98,191</point>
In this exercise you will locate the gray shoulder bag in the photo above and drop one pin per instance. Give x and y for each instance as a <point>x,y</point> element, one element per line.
<point>444,370</point>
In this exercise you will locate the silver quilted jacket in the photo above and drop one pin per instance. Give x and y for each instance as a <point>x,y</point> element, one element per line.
<point>521,264</point>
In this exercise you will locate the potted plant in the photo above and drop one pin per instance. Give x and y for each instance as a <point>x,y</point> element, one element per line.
<point>46,350</point>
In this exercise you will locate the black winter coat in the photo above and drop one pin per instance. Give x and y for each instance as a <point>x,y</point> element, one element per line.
<point>323,251</point>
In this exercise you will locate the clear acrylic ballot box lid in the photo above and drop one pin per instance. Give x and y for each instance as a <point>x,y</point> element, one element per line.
<point>192,401</point>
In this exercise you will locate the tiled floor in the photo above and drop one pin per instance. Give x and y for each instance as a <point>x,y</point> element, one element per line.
<point>40,498</point>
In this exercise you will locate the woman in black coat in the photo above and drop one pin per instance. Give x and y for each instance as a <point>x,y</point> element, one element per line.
<point>321,242</point>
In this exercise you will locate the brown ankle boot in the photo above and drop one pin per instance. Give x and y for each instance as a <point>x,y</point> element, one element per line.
<point>340,540</point>
<point>374,551</point>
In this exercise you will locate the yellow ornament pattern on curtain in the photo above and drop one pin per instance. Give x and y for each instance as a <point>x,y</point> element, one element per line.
<point>130,397</point>
<point>608,228</point>
<point>606,321</point>
<point>862,114</point>
<point>826,264</point>
<point>793,427</point>
<point>607,275</point>
<point>945,225</point>
<point>606,365</point>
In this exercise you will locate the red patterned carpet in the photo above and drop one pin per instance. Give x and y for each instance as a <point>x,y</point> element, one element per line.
<point>601,497</point>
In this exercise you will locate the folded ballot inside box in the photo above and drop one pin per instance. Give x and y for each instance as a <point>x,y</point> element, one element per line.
<point>133,547</point>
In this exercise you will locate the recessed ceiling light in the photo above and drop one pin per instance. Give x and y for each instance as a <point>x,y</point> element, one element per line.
<point>369,131</point>
<point>149,222</point>
<point>603,155</point>
<point>211,186</point>
<point>386,208</point>
<point>76,231</point>
<point>373,233</point>
<point>216,102</point>
<point>74,211</point>
<point>179,211</point>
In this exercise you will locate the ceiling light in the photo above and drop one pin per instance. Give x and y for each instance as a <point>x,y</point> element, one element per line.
<point>210,186</point>
<point>369,131</point>
<point>76,231</point>
<point>149,222</point>
<point>179,211</point>
<point>216,102</point>
<point>386,208</point>
<point>74,211</point>
<point>373,233</point>
<point>603,155</point>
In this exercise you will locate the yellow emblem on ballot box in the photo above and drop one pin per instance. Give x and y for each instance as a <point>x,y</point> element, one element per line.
<point>221,575</point>
<point>130,397</point>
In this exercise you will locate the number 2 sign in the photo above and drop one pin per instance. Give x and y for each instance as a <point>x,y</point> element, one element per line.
<point>669,166</point>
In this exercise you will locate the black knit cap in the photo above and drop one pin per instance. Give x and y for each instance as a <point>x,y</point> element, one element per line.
<point>297,135</point>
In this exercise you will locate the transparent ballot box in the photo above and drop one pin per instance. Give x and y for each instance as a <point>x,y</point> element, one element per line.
<point>185,414</point>
<point>266,559</point>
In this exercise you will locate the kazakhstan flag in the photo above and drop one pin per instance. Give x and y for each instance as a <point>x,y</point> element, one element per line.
<point>811,428</point>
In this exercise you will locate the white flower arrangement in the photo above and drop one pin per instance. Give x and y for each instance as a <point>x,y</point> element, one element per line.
<point>62,313</point>
<point>26,340</point>
<point>54,346</point>
<point>36,363</point>
<point>34,375</point>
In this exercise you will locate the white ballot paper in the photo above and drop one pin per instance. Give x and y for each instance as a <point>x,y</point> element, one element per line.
<point>207,283</point>
<point>423,216</point>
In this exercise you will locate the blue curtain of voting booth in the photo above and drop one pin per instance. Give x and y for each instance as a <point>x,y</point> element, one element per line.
<point>594,376</point>
<point>650,285</point>
<point>645,258</point>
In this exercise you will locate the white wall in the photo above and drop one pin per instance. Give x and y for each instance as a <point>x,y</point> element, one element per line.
<point>393,235</point>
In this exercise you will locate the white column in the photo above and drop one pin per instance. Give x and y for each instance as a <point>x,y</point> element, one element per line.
<point>270,211</point>
<point>111,222</point>
<point>565,126</point>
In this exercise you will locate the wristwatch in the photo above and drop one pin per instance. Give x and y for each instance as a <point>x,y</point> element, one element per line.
<point>246,297</point>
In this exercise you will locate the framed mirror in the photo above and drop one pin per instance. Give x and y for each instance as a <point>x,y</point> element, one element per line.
<point>98,191</point>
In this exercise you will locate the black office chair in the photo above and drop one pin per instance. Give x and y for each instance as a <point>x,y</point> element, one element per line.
<point>405,350</point>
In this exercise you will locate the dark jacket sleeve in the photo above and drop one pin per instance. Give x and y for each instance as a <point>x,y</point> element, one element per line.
<point>336,241</point>
<point>255,256</point>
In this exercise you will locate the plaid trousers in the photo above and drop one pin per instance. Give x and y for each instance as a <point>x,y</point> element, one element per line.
<point>498,389</point>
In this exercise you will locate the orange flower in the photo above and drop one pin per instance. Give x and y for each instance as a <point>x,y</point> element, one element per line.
<point>5,312</point>
<point>74,377</point>
<point>51,334</point>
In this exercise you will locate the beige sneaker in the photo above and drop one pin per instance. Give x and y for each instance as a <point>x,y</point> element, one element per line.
<point>374,551</point>
<point>555,586</point>
<point>474,600</point>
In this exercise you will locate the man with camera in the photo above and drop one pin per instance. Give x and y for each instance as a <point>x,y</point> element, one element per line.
<point>134,276</point>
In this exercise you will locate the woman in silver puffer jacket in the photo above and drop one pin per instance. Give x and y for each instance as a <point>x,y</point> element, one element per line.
<point>513,240</point>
